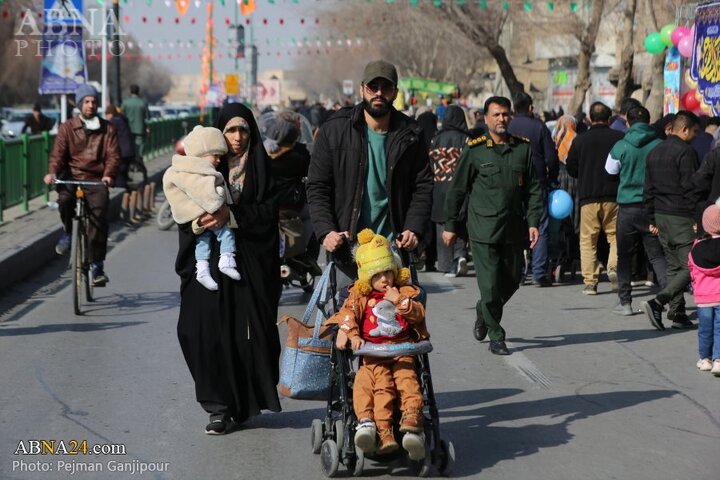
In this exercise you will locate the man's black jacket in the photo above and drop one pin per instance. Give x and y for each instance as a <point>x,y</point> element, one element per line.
<point>338,171</point>
<point>669,174</point>
<point>544,154</point>
<point>586,162</point>
<point>707,182</point>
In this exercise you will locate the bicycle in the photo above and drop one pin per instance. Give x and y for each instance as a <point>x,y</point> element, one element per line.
<point>80,264</point>
<point>164,216</point>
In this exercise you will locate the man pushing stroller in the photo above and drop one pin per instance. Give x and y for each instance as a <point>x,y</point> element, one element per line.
<point>383,308</point>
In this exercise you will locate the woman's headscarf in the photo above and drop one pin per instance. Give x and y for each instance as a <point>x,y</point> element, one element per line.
<point>455,119</point>
<point>428,122</point>
<point>258,177</point>
<point>564,135</point>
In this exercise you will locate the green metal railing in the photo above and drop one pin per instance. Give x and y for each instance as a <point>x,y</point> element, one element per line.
<point>24,161</point>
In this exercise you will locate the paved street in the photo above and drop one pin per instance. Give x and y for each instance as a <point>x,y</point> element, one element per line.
<point>583,395</point>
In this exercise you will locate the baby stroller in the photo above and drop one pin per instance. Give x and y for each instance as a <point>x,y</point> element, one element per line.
<point>333,436</point>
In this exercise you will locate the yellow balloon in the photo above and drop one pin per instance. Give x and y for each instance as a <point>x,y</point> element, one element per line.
<point>706,109</point>
<point>699,97</point>
<point>692,84</point>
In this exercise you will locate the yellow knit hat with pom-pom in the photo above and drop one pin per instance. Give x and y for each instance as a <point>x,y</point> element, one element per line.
<point>373,256</point>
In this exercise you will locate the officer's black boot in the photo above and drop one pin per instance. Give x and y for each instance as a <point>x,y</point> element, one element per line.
<point>498,347</point>
<point>480,330</point>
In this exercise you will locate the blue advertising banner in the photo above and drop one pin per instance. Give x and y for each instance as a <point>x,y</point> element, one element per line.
<point>671,97</point>
<point>67,12</point>
<point>63,64</point>
<point>705,66</point>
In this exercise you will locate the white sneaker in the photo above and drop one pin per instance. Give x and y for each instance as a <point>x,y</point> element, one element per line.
<point>203,275</point>
<point>228,266</point>
<point>462,266</point>
<point>716,367</point>
<point>365,436</point>
<point>613,278</point>
<point>705,365</point>
<point>414,444</point>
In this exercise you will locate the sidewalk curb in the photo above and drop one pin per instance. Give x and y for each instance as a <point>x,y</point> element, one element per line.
<point>35,252</point>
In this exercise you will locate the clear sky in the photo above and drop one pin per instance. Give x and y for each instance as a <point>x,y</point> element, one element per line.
<point>168,37</point>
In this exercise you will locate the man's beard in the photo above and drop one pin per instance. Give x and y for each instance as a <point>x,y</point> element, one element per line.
<point>377,112</point>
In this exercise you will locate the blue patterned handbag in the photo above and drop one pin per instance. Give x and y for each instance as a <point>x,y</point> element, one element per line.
<point>305,361</point>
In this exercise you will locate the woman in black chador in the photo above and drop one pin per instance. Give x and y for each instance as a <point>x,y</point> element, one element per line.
<point>229,337</point>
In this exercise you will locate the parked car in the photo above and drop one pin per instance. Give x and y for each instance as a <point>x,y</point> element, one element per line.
<point>15,120</point>
<point>155,112</point>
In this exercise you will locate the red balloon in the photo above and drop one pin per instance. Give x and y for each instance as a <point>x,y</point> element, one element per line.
<point>689,101</point>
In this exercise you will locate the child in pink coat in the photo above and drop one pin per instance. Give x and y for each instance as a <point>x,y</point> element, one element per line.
<point>704,262</point>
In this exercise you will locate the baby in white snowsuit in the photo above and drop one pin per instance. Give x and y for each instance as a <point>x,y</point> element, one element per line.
<point>193,187</point>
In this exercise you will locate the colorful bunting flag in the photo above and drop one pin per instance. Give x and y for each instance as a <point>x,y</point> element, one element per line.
<point>182,7</point>
<point>247,7</point>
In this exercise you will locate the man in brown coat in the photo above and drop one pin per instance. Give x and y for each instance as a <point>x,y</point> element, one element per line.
<point>86,148</point>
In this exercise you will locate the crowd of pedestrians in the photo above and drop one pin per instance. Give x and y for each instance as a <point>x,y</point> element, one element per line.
<point>645,197</point>
<point>455,187</point>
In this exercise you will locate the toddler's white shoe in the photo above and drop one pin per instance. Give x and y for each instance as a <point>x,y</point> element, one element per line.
<point>228,267</point>
<point>716,367</point>
<point>704,365</point>
<point>365,436</point>
<point>414,444</point>
<point>203,275</point>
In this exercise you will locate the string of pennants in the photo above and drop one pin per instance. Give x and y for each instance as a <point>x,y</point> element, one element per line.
<point>132,51</point>
<point>248,6</point>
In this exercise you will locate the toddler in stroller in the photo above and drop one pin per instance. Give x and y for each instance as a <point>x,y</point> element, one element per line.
<point>383,321</point>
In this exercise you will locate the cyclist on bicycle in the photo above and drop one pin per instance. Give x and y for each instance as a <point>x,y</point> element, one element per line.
<point>86,148</point>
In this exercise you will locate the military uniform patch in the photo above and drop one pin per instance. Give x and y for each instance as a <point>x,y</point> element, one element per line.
<point>474,142</point>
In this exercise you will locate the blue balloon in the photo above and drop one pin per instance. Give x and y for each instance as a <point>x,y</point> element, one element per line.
<point>560,204</point>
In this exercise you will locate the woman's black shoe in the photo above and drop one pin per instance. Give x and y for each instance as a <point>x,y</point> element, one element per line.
<point>498,347</point>
<point>480,330</point>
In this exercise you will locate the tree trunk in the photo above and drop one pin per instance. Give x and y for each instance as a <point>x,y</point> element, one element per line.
<point>583,82</point>
<point>653,93</point>
<point>506,70</point>
<point>625,65</point>
<point>654,100</point>
<point>587,48</point>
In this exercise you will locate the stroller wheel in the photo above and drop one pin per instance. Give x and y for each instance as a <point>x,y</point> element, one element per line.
<point>359,463</point>
<point>447,458</point>
<point>339,433</point>
<point>309,284</point>
<point>329,458</point>
<point>316,435</point>
<point>423,467</point>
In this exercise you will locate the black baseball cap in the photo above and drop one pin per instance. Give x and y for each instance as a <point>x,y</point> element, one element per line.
<point>380,69</point>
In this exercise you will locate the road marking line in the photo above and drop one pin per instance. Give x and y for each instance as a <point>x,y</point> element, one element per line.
<point>527,369</point>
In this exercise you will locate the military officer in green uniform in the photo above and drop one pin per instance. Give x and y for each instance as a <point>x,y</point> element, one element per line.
<point>496,173</point>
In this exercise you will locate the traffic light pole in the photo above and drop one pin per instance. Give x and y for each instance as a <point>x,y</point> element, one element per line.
<point>115,48</point>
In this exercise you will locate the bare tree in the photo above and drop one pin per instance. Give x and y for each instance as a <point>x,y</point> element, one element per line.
<point>483,28</point>
<point>657,13</point>
<point>415,38</point>
<point>627,54</point>
<point>587,48</point>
